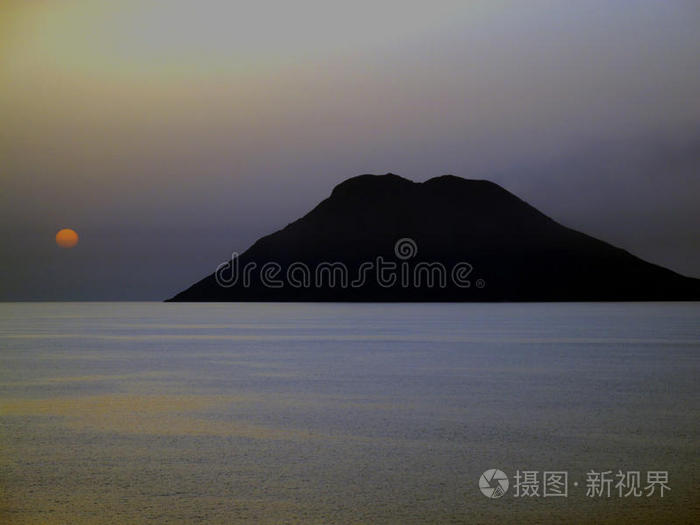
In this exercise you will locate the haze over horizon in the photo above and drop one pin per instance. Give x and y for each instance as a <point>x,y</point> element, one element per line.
<point>169,134</point>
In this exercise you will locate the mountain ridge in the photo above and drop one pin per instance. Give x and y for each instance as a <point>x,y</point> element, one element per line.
<point>514,251</point>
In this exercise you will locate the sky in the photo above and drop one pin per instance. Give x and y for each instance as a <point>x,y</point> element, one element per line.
<point>170,133</point>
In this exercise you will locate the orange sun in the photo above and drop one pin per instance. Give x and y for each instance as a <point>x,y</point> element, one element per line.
<point>66,238</point>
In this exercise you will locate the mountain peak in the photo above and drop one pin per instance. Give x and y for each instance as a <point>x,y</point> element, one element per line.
<point>504,248</point>
<point>369,182</point>
<point>449,179</point>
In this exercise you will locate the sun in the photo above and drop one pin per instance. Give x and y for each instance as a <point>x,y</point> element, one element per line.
<point>66,238</point>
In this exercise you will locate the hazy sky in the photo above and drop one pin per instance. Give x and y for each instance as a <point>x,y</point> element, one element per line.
<point>169,133</point>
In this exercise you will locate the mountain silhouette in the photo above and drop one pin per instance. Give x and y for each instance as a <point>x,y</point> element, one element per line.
<point>386,238</point>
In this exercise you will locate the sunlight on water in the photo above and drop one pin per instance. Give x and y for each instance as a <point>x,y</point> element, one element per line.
<point>332,413</point>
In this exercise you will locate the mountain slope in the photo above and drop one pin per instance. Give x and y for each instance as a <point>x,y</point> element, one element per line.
<point>474,239</point>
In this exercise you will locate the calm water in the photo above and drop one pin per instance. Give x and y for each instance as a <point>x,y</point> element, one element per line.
<point>335,413</point>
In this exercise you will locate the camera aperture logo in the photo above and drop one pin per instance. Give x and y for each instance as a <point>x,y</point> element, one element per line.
<point>385,273</point>
<point>493,483</point>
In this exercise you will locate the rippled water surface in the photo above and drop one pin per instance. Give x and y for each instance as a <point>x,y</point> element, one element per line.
<point>342,413</point>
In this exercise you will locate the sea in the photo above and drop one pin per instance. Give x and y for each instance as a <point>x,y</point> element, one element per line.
<point>230,413</point>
